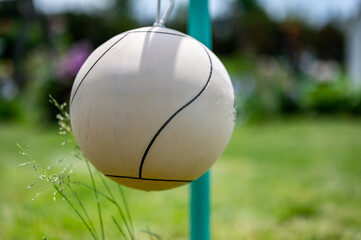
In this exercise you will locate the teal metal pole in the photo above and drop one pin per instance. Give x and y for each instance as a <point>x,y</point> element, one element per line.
<point>200,208</point>
<point>199,27</point>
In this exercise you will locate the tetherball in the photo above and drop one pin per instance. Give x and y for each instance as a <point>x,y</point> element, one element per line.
<point>152,108</point>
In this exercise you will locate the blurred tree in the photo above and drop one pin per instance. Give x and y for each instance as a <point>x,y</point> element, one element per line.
<point>118,18</point>
<point>258,33</point>
<point>24,13</point>
<point>247,28</point>
<point>329,42</point>
<point>30,29</point>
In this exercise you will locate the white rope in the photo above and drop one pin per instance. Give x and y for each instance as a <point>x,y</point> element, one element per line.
<point>160,21</point>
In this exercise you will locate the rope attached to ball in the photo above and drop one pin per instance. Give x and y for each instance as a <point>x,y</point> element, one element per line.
<point>160,21</point>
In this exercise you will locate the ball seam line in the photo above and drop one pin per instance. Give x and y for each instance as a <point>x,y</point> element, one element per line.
<point>176,113</point>
<point>148,179</point>
<point>126,34</point>
<point>76,90</point>
<point>167,33</point>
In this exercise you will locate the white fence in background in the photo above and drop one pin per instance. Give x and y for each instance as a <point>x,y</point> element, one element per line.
<point>353,51</point>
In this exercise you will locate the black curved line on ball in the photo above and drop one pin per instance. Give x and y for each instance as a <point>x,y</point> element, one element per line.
<point>148,179</point>
<point>94,65</point>
<point>166,33</point>
<point>178,111</point>
<point>126,33</point>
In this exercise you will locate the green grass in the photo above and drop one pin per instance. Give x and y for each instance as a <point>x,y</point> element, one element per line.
<point>294,179</point>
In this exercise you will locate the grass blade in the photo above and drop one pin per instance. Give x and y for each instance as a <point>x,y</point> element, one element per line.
<point>100,193</point>
<point>125,220</point>
<point>97,200</point>
<point>82,206</point>
<point>152,234</point>
<point>126,206</point>
<point>119,227</point>
<point>76,211</point>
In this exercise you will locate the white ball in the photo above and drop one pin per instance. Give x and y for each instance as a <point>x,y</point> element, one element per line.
<point>152,108</point>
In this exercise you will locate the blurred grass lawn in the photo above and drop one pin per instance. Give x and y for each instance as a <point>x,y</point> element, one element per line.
<point>294,179</point>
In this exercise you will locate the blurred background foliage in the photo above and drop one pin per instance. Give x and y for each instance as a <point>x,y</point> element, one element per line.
<point>277,67</point>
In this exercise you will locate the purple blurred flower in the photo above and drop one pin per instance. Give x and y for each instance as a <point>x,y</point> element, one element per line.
<point>74,59</point>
